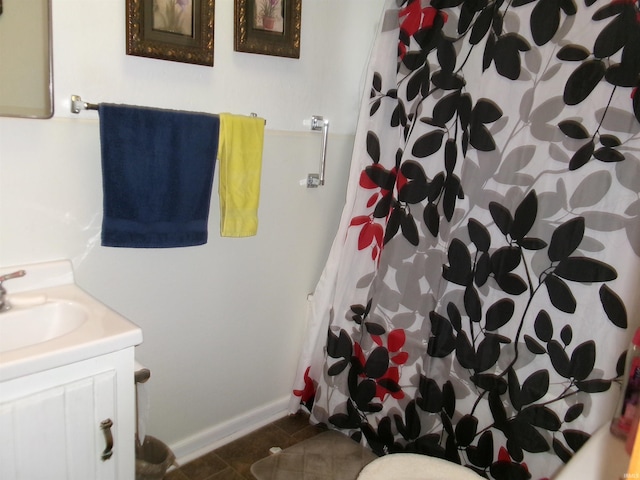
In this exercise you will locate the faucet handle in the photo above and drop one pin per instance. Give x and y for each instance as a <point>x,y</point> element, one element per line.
<point>9,276</point>
<point>4,304</point>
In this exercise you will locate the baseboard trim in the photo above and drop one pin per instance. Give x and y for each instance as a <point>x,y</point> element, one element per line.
<point>211,438</point>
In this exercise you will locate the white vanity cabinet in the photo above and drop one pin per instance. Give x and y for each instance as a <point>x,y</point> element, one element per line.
<point>72,422</point>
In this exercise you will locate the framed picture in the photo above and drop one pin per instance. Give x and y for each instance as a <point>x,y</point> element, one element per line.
<point>176,30</point>
<point>268,27</point>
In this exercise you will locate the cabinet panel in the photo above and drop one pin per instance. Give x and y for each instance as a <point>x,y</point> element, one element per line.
<point>80,423</point>
<point>104,395</point>
<point>39,436</point>
<point>7,452</point>
<point>55,434</point>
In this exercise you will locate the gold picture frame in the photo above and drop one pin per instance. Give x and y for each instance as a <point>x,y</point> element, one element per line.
<point>175,30</point>
<point>268,27</point>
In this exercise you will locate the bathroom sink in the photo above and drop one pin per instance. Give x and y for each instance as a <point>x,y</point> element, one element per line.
<point>53,322</point>
<point>33,324</point>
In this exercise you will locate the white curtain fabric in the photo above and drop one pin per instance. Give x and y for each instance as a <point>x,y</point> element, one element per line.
<point>480,292</point>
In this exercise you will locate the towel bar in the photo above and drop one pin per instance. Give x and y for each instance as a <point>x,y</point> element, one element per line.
<point>77,104</point>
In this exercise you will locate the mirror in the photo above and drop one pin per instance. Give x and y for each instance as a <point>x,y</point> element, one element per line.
<point>26,80</point>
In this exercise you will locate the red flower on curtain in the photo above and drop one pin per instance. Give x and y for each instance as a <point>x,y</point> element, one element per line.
<point>507,466</point>
<point>371,232</point>
<point>395,341</point>
<point>308,393</point>
<point>414,18</point>
<point>393,374</point>
<point>387,383</point>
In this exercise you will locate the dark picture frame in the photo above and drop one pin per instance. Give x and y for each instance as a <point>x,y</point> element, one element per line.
<point>268,27</point>
<point>175,30</point>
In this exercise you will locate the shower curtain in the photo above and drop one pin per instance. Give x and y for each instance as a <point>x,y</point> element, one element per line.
<point>480,293</point>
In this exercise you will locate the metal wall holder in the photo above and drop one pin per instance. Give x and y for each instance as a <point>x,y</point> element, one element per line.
<point>318,123</point>
<point>77,104</point>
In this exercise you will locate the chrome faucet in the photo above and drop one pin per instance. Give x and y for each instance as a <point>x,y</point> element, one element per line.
<point>4,303</point>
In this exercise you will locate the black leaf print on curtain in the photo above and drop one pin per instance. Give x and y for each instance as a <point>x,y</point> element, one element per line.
<point>574,129</point>
<point>583,81</point>
<point>506,54</point>
<point>613,307</point>
<point>545,20</point>
<point>566,239</point>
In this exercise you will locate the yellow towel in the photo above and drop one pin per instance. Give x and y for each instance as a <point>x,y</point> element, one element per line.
<point>239,167</point>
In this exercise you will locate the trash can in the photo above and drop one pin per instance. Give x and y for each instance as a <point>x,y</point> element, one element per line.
<point>153,459</point>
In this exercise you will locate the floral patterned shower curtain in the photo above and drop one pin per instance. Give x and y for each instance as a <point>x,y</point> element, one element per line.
<point>481,291</point>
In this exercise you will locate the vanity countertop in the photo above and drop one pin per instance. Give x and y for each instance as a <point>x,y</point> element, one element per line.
<point>101,330</point>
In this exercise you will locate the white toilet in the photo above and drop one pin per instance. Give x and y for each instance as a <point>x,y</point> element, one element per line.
<point>413,466</point>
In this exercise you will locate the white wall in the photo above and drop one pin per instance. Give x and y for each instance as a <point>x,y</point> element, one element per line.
<point>223,322</point>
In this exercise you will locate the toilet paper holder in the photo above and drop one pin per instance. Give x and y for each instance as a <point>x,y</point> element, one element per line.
<point>142,375</point>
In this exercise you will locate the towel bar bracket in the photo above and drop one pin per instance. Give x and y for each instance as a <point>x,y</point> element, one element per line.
<point>313,180</point>
<point>77,104</point>
<point>318,123</point>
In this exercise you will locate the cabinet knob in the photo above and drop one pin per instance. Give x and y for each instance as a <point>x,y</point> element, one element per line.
<point>105,426</point>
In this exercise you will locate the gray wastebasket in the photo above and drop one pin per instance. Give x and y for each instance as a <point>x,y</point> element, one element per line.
<point>153,459</point>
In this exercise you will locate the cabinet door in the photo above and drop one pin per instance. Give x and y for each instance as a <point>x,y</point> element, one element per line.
<point>56,434</point>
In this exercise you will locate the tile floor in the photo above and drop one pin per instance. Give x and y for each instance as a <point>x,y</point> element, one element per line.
<point>233,460</point>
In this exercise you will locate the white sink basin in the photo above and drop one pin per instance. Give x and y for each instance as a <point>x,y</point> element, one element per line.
<point>30,325</point>
<point>53,322</point>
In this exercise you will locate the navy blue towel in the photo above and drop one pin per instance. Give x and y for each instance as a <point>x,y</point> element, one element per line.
<point>157,174</point>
